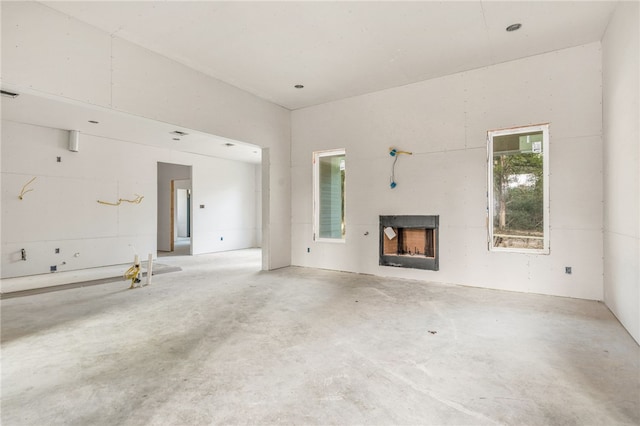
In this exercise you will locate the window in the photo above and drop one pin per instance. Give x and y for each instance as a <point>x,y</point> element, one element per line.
<point>329,195</point>
<point>519,189</point>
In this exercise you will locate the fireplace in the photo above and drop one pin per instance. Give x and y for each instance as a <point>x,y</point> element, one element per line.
<point>409,241</point>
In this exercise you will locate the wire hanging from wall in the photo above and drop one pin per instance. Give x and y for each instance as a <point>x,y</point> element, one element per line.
<point>137,200</point>
<point>395,153</point>
<point>24,187</point>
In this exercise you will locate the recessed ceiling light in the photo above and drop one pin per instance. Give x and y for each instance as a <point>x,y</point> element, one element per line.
<point>298,86</point>
<point>93,121</point>
<point>514,27</point>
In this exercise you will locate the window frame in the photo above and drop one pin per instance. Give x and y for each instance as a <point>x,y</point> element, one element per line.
<point>316,195</point>
<point>544,128</point>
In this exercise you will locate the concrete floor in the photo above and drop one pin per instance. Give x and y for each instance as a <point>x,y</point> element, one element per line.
<point>223,343</point>
<point>181,247</point>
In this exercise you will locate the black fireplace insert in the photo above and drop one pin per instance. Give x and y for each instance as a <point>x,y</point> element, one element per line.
<point>409,242</point>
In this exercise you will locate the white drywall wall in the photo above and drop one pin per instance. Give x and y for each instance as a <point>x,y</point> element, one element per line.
<point>258,186</point>
<point>54,53</point>
<point>621,91</point>
<point>444,122</point>
<point>47,51</point>
<point>62,210</point>
<point>227,220</point>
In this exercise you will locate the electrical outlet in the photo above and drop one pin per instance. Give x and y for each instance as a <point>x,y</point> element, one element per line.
<point>53,268</point>
<point>221,238</point>
<point>59,159</point>
<point>567,270</point>
<point>57,251</point>
<point>202,206</point>
<point>308,249</point>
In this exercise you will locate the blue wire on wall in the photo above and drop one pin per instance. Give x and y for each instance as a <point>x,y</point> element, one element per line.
<point>395,154</point>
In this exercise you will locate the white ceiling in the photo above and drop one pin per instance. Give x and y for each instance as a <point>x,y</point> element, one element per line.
<point>335,49</point>
<point>341,49</point>
<point>34,108</point>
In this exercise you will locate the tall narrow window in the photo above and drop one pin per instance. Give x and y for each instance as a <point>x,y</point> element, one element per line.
<point>519,189</point>
<point>329,195</point>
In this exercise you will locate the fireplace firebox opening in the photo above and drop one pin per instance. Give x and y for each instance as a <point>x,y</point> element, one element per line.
<point>409,242</point>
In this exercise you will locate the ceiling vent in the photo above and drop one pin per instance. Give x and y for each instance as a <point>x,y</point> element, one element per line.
<point>9,94</point>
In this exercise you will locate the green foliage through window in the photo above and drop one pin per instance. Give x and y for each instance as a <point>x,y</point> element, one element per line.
<point>518,190</point>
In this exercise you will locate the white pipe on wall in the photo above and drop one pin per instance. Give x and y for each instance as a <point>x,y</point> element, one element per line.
<point>74,140</point>
<point>149,268</point>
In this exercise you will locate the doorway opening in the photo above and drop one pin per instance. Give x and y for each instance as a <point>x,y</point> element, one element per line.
<point>221,211</point>
<point>183,212</point>
<point>175,216</point>
<point>181,217</point>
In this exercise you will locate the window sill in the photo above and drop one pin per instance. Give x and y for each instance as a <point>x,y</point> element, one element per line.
<point>520,251</point>
<point>330,240</point>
